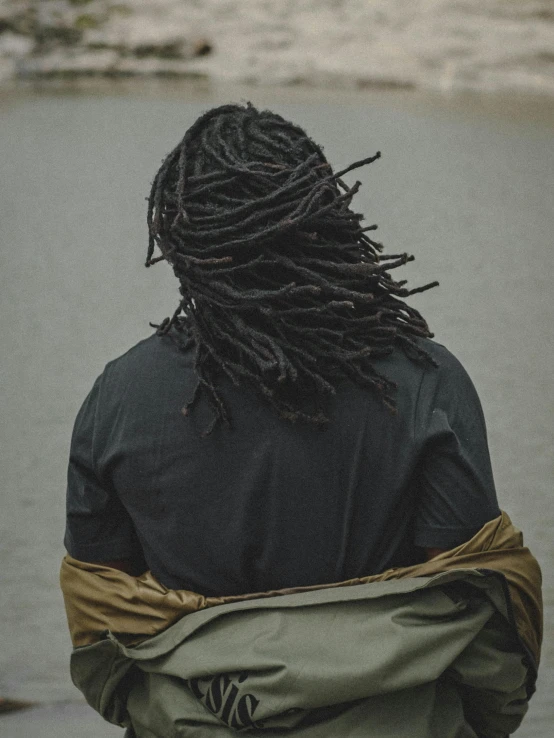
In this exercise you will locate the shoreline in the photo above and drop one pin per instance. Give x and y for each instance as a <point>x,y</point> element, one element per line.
<point>460,105</point>
<point>444,46</point>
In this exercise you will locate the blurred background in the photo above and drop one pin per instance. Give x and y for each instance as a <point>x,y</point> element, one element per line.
<point>459,97</point>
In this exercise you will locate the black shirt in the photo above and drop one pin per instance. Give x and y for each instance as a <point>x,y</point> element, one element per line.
<point>268,504</point>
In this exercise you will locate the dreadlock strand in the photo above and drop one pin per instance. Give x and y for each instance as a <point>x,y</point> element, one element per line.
<point>281,287</point>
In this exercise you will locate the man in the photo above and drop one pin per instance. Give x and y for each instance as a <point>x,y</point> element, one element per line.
<point>292,424</point>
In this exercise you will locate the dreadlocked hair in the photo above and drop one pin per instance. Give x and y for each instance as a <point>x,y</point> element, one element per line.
<point>281,287</point>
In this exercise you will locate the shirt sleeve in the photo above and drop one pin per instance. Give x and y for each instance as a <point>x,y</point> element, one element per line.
<point>98,528</point>
<point>456,487</point>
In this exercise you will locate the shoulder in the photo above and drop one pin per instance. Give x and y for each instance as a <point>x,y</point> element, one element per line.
<point>441,372</point>
<point>446,361</point>
<point>449,386</point>
<point>142,375</point>
<point>149,350</point>
<point>449,370</point>
<point>147,360</point>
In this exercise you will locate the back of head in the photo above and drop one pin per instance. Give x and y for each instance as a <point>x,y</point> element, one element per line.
<point>281,287</point>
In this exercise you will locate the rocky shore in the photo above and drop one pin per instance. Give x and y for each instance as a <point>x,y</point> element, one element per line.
<point>437,44</point>
<point>97,37</point>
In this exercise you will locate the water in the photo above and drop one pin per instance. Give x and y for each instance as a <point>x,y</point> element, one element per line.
<point>431,44</point>
<point>465,184</point>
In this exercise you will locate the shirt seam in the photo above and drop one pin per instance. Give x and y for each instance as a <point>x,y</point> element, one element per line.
<point>416,413</point>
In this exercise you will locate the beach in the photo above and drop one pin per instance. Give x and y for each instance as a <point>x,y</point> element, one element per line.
<point>465,184</point>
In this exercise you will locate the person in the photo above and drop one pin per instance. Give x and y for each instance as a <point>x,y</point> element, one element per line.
<point>292,424</point>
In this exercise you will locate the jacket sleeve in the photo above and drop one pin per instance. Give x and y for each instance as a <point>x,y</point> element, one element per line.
<point>493,680</point>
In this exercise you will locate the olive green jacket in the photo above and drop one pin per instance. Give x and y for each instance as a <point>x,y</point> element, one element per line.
<point>449,649</point>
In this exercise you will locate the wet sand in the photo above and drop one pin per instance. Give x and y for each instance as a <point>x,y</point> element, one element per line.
<point>465,183</point>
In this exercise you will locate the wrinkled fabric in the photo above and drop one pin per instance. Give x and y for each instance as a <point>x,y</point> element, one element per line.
<point>445,649</point>
<point>100,599</point>
<point>425,657</point>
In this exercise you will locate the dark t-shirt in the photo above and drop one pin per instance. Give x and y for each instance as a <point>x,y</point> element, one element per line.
<point>267,504</point>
